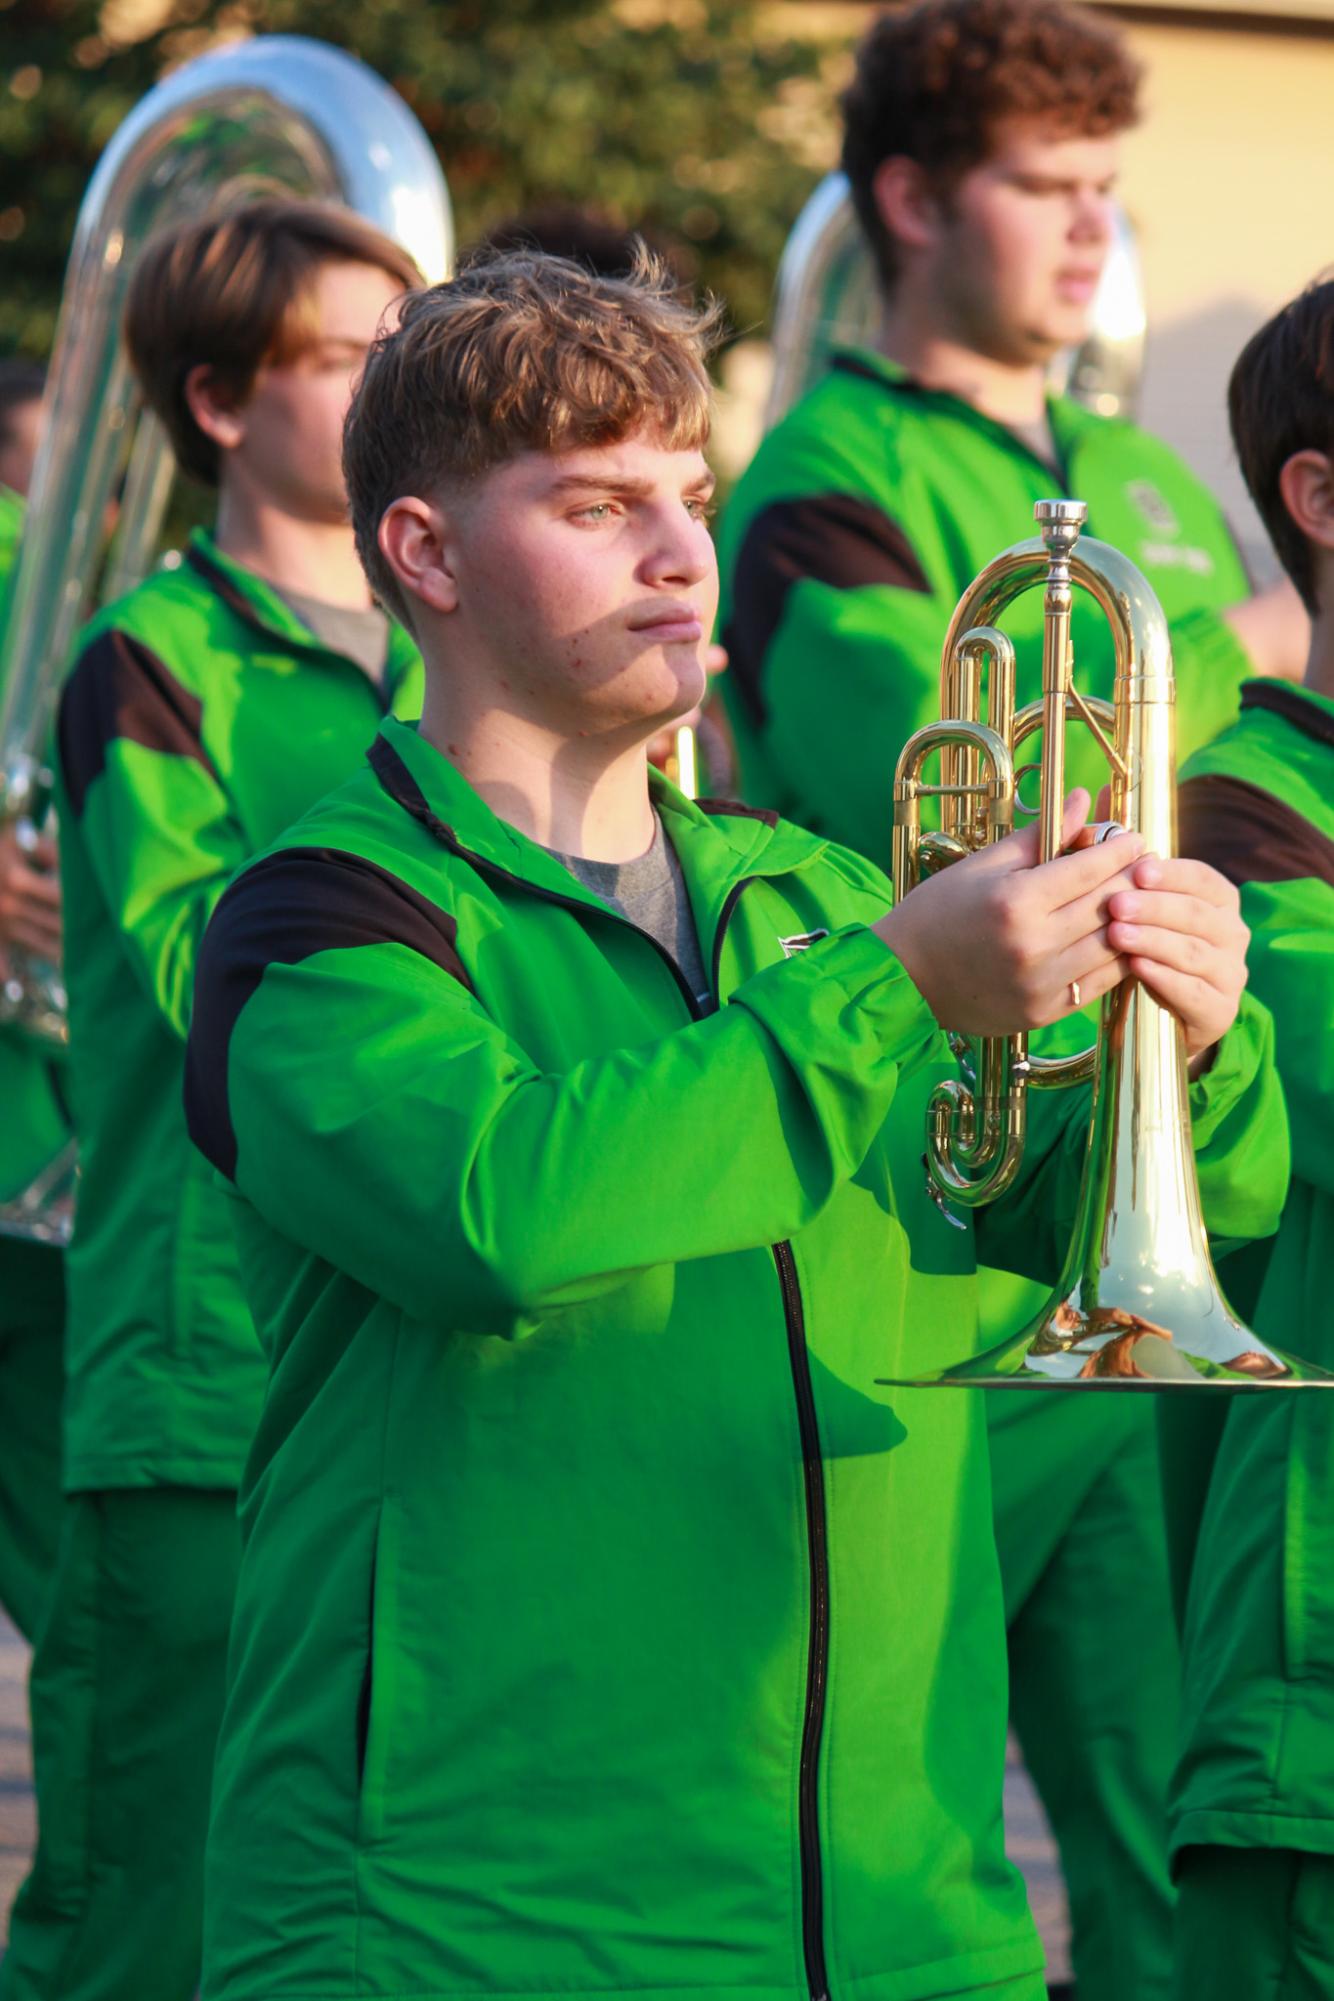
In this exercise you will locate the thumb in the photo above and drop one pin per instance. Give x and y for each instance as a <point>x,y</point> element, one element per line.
<point>1023,850</point>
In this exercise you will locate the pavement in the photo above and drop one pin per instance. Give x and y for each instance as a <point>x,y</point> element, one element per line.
<point>1027,1837</point>
<point>16,1814</point>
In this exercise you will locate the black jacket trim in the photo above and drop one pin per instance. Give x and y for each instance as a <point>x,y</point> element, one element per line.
<point>1292,706</point>
<point>1249,835</point>
<point>735,809</point>
<point>829,538</point>
<point>121,689</point>
<point>403,789</point>
<point>286,908</point>
<point>222,586</point>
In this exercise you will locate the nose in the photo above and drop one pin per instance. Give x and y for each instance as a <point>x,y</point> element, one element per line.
<point>681,551</point>
<point>1094,216</point>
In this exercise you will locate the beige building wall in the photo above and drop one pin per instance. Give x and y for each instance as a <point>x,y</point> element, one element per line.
<point>1230,185</point>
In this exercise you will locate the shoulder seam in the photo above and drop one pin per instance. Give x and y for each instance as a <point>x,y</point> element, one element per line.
<point>120,688</point>
<point>280,911</point>
<point>1249,834</point>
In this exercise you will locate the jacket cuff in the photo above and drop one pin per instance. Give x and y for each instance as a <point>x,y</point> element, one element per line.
<point>1240,1130</point>
<point>1244,1053</point>
<point>848,977</point>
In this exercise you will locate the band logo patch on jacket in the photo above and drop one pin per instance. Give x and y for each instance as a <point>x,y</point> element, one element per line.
<point>1162,518</point>
<point>801,941</point>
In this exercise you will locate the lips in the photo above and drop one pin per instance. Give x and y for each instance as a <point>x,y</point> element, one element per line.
<point>673,622</point>
<point>1078,284</point>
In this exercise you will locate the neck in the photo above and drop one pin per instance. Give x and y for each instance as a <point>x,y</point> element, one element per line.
<point>1010,392</point>
<point>1320,661</point>
<point>581,796</point>
<point>316,559</point>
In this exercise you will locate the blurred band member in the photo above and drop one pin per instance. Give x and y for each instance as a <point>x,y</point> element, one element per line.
<point>982,141</point>
<point>1252,1809</point>
<point>203,712</point>
<point>34,1127</point>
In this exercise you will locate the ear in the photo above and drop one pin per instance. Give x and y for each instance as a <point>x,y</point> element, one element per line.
<point>217,413</point>
<point>416,540</point>
<point>1306,487</point>
<point>907,206</point>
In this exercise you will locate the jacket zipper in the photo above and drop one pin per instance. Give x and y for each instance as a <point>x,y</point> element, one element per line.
<point>817,1539</point>
<point>817,1543</point>
<point>817,1671</point>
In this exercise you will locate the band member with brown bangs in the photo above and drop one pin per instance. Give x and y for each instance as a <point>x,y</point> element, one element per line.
<point>203,712</point>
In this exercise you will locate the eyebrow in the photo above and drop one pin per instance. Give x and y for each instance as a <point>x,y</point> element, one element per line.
<point>619,483</point>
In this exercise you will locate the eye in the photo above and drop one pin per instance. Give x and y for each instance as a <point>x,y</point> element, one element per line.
<point>594,510</point>
<point>701,508</point>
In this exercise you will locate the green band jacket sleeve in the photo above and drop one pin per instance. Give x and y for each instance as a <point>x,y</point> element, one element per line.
<point>199,718</point>
<point>1258,1763</point>
<point>573,1484</point>
<point>847,544</point>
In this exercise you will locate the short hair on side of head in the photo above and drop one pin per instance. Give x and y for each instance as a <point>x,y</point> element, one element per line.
<point>232,290</point>
<point>1280,400</point>
<point>934,84</point>
<point>520,352</point>
<point>21,382</point>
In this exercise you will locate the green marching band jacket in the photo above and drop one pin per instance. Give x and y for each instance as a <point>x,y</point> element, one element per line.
<point>1258,1765</point>
<point>34,1123</point>
<point>864,516</point>
<point>602,1626</point>
<point>199,719</point>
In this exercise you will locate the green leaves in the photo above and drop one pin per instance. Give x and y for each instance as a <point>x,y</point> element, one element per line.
<point>705,121</point>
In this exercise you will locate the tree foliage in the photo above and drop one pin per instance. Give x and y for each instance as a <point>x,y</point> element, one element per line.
<point>705,120</point>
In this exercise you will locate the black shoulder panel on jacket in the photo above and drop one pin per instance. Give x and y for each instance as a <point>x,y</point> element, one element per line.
<point>737,810</point>
<point>1249,835</point>
<point>285,909</point>
<point>1292,705</point>
<point>119,688</point>
<point>832,538</point>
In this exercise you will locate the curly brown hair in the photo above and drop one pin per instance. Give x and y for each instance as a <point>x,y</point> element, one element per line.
<point>519,352</point>
<point>934,83</point>
<point>1281,400</point>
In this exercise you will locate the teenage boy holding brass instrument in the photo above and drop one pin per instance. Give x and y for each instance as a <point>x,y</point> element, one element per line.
<point>203,712</point>
<point>1252,1807</point>
<point>601,1625</point>
<point>981,144</point>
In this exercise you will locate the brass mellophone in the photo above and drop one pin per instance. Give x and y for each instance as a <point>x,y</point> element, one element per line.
<point>1138,1305</point>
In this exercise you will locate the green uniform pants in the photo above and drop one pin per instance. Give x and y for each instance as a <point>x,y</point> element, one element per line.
<point>32,1314</point>
<point>127,1691</point>
<point>1094,1666</point>
<point>1254,1924</point>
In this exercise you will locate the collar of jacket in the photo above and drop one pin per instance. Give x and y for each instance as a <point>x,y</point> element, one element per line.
<point>719,845</point>
<point>1070,421</point>
<point>1308,712</point>
<point>250,598</point>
